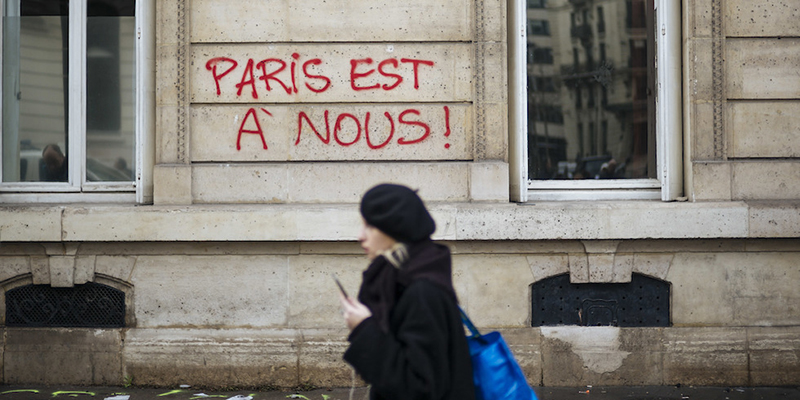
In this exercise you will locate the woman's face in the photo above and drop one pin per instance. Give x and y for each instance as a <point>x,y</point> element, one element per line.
<point>373,241</point>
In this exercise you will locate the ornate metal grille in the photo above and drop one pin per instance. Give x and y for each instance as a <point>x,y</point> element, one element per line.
<point>642,302</point>
<point>91,305</point>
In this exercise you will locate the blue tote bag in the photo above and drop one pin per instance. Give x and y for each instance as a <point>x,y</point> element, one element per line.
<point>496,373</point>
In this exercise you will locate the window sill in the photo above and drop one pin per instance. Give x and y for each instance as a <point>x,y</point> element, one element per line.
<point>455,221</point>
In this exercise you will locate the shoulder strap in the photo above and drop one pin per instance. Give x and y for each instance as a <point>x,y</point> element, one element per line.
<point>465,319</point>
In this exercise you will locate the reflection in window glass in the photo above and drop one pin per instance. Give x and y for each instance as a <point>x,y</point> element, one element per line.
<point>36,87</point>
<point>590,96</point>
<point>35,78</point>
<point>109,86</point>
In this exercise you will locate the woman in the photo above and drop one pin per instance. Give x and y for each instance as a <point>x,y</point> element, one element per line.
<point>406,338</point>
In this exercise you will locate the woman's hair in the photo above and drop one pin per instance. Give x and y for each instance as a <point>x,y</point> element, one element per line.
<point>396,255</point>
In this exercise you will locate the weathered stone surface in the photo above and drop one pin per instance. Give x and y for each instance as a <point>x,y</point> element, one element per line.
<point>488,181</point>
<point>40,270</point>
<point>332,132</point>
<point>63,356</point>
<point>212,357</point>
<point>546,265</point>
<point>320,359</point>
<point>707,356</point>
<point>775,220</point>
<point>313,294</point>
<point>655,265</point>
<point>701,120</point>
<point>318,20</point>
<point>172,184</point>
<point>211,291</point>
<point>30,224</point>
<point>325,182</point>
<point>762,68</point>
<point>578,268</point>
<point>623,268</point>
<point>762,18</point>
<point>735,289</point>
<point>699,290</point>
<point>711,181</point>
<point>11,267</point>
<point>62,271</point>
<point>577,356</point>
<point>701,82</point>
<point>774,355</point>
<point>492,305</point>
<point>605,221</point>
<point>118,267</point>
<point>84,269</point>
<point>764,129</point>
<point>526,346</point>
<point>461,221</point>
<point>698,12</point>
<point>344,73</point>
<point>766,180</point>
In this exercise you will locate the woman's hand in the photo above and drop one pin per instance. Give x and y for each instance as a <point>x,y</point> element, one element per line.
<point>353,311</point>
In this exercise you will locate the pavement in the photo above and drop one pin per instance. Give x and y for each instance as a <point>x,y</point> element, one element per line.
<point>37,392</point>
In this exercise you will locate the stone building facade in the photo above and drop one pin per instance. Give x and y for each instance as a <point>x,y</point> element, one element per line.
<point>260,124</point>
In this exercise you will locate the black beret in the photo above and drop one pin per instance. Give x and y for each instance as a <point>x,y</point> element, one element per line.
<point>398,212</point>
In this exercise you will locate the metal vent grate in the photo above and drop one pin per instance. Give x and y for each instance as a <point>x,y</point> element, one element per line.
<point>642,302</point>
<point>91,305</point>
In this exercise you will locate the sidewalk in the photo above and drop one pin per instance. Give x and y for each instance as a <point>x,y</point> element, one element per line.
<point>34,392</point>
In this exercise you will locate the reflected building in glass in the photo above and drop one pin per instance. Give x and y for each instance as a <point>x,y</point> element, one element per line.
<point>590,89</point>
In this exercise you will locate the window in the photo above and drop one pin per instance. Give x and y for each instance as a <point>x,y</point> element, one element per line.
<point>621,138</point>
<point>75,100</point>
<point>537,3</point>
<point>538,27</point>
<point>540,55</point>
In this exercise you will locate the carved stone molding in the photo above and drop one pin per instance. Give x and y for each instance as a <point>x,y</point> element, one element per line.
<point>182,81</point>
<point>480,84</point>
<point>718,78</point>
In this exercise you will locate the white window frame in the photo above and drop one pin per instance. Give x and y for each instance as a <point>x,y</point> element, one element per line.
<point>668,185</point>
<point>77,189</point>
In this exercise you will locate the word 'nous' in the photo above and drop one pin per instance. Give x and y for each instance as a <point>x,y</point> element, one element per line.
<point>351,126</point>
<point>274,70</point>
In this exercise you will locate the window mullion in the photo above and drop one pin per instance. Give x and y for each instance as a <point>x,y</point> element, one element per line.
<point>77,93</point>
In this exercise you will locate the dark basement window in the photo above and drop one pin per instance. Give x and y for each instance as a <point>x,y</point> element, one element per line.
<point>91,305</point>
<point>642,302</point>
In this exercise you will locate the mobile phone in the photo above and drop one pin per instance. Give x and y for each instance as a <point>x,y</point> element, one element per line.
<point>341,288</point>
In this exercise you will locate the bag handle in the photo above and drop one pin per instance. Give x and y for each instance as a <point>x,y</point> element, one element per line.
<point>465,319</point>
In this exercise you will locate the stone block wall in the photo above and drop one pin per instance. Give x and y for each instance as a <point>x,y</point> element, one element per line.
<point>258,314</point>
<point>742,96</point>
<point>314,102</point>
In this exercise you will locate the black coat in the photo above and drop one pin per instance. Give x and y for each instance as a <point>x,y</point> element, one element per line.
<point>424,356</point>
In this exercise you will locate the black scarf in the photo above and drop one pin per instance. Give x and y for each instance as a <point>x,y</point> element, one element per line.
<point>383,284</point>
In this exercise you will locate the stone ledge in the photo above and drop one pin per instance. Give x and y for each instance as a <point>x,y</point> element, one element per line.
<point>456,222</point>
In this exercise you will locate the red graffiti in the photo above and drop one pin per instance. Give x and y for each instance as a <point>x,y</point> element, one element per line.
<point>303,116</point>
<point>354,64</point>
<point>417,123</point>
<point>266,77</point>
<point>338,127</point>
<point>248,79</point>
<point>416,68</point>
<point>348,120</point>
<point>327,80</point>
<point>211,65</point>
<point>388,74</point>
<point>388,139</point>
<point>258,131</point>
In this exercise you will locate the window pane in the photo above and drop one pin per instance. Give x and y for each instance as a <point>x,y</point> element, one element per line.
<point>110,96</point>
<point>35,75</point>
<point>590,96</point>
